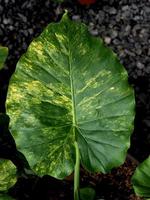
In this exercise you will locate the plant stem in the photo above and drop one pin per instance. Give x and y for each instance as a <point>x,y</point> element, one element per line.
<point>77,173</point>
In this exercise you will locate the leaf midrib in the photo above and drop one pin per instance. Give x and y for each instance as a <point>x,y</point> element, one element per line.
<point>72,91</point>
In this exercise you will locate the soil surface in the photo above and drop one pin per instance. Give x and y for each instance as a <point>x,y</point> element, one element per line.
<point>124,25</point>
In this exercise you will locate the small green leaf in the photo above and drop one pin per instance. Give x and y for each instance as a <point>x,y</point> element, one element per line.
<point>141,179</point>
<point>69,87</point>
<point>7,174</point>
<point>3,55</point>
<point>87,194</point>
<point>7,168</point>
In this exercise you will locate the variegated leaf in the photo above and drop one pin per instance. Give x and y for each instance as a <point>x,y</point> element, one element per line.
<point>68,86</point>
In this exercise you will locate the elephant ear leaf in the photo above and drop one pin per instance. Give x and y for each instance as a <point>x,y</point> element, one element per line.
<point>3,55</point>
<point>141,179</point>
<point>7,174</point>
<point>69,87</point>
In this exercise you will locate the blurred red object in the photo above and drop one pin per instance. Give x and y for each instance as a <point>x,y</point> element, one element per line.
<point>86,2</point>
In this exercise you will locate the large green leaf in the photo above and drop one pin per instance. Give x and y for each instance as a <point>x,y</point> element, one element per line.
<point>68,86</point>
<point>7,174</point>
<point>141,179</point>
<point>3,55</point>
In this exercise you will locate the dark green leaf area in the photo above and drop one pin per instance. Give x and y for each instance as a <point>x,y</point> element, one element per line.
<point>87,193</point>
<point>141,179</point>
<point>3,55</point>
<point>5,197</point>
<point>68,86</point>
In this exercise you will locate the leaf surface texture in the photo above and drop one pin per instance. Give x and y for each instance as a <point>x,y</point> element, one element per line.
<point>68,86</point>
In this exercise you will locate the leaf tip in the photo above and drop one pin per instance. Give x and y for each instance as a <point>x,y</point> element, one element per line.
<point>5,49</point>
<point>65,15</point>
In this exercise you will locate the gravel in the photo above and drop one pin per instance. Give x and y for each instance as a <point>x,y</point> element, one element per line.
<point>124,25</point>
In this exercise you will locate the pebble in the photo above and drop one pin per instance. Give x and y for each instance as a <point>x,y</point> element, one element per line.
<point>112,11</point>
<point>125,8</point>
<point>107,40</point>
<point>6,21</point>
<point>100,16</point>
<point>94,32</point>
<point>76,17</point>
<point>140,65</point>
<point>114,34</point>
<point>22,17</point>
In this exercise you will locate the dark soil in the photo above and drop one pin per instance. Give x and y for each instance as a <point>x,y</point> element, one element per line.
<point>125,26</point>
